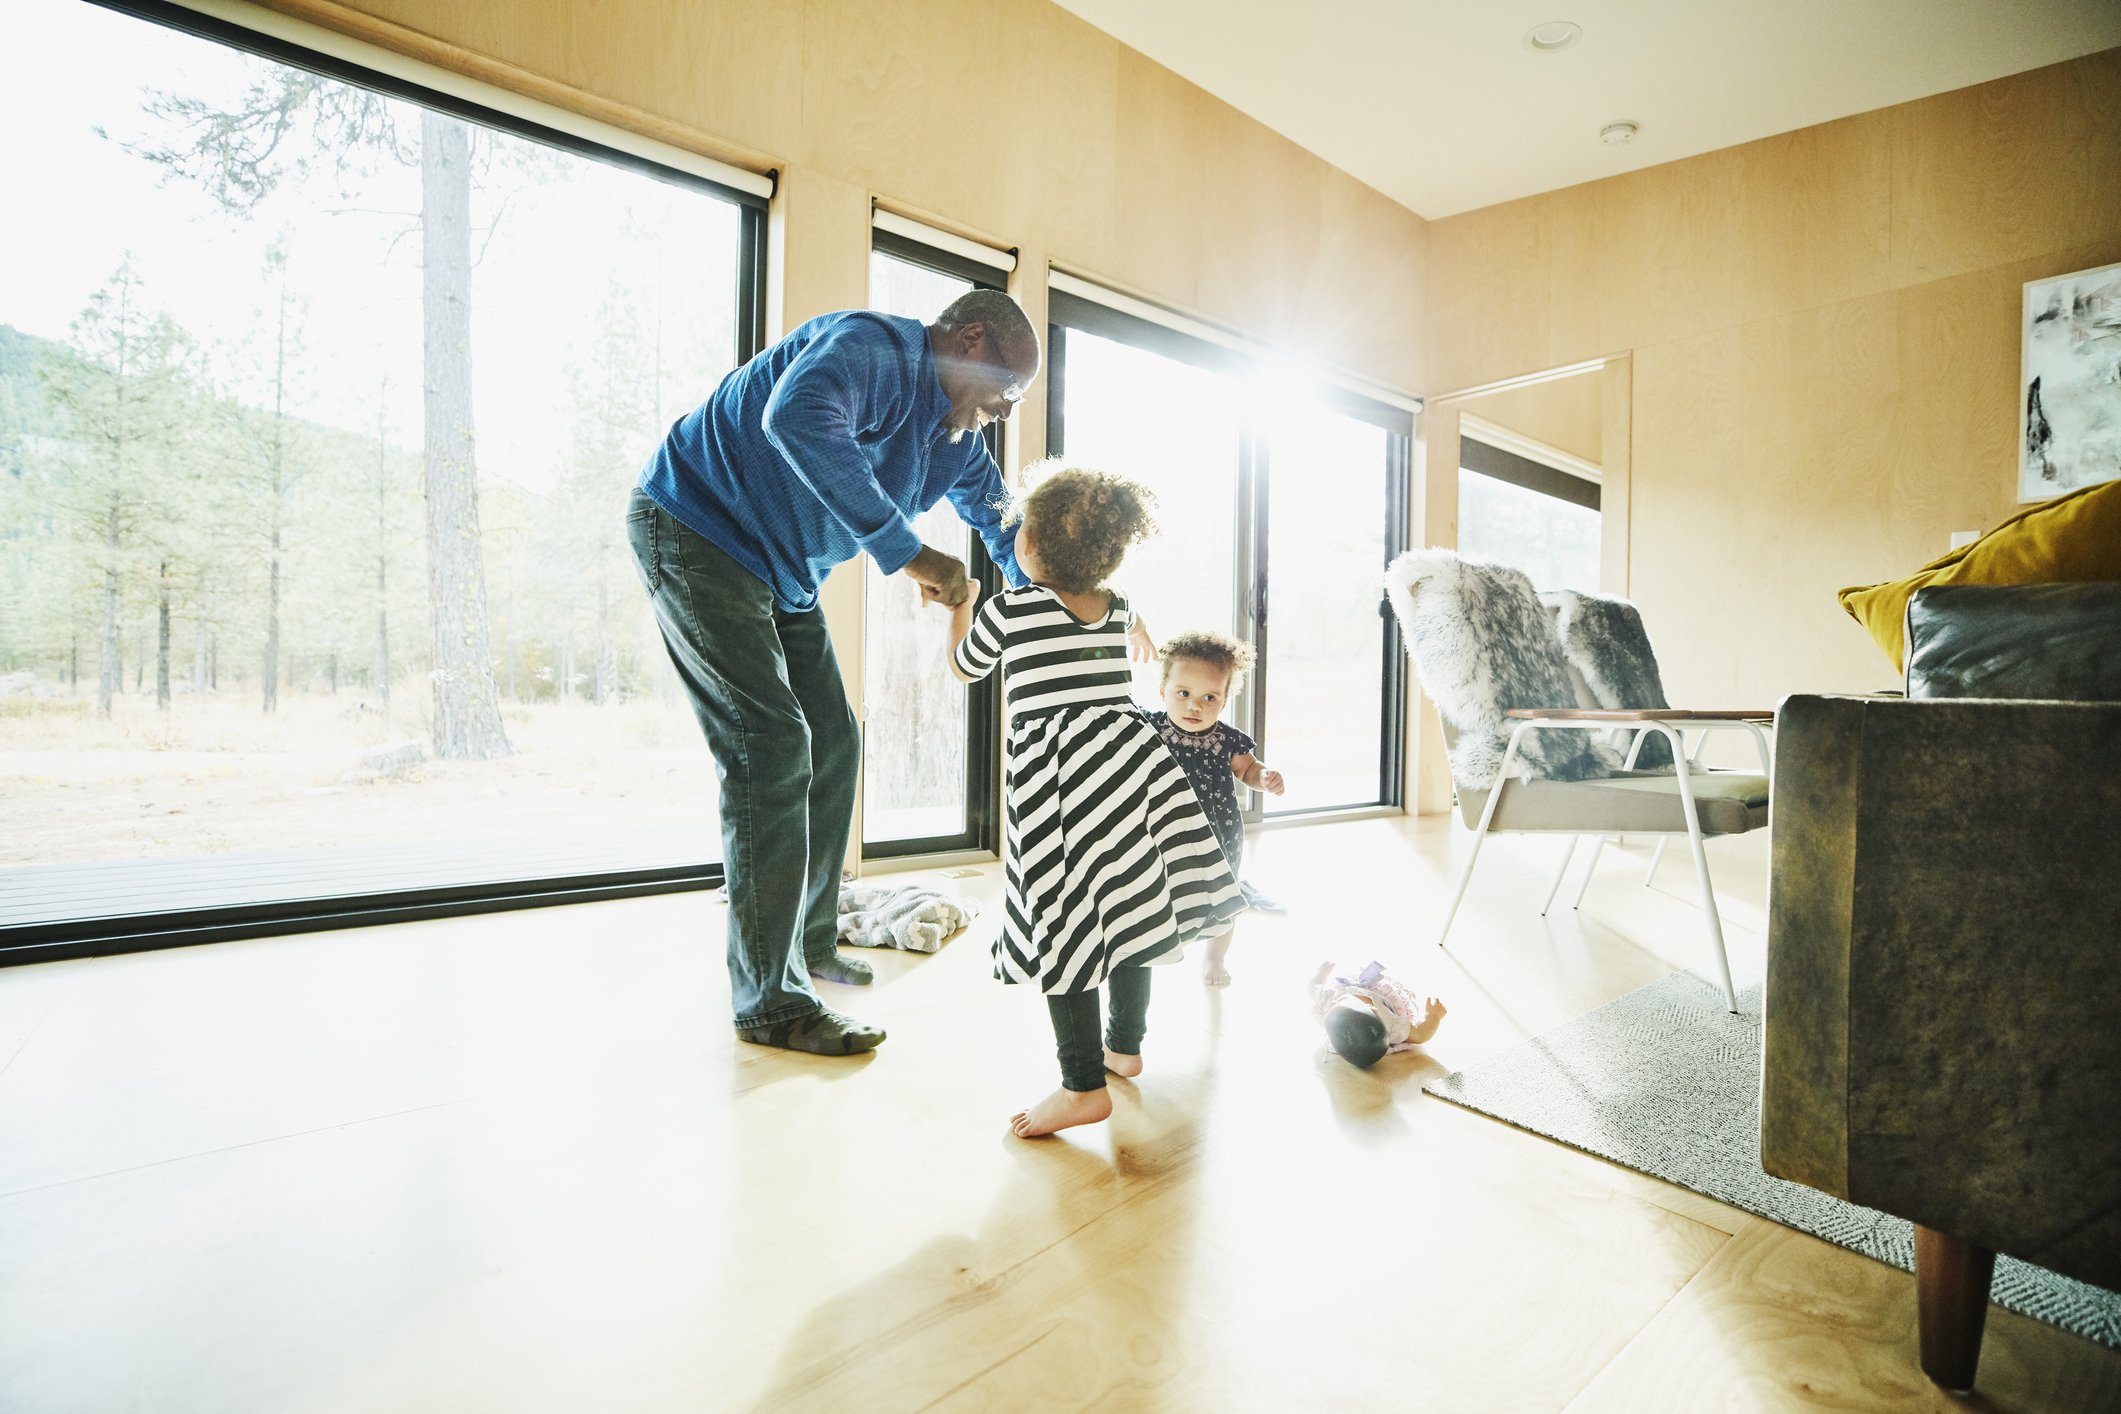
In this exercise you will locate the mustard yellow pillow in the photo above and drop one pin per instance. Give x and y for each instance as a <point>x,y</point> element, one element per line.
<point>2071,538</point>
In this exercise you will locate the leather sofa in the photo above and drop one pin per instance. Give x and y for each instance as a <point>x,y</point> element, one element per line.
<point>1942,1024</point>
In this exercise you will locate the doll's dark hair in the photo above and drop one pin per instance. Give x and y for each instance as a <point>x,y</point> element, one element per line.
<point>1218,650</point>
<point>1082,522</point>
<point>1357,1033</point>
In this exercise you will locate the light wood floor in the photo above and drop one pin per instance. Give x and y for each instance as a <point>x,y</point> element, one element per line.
<point>518,1163</point>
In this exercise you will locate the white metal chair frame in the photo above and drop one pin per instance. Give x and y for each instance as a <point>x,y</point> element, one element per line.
<point>1684,766</point>
<point>1767,768</point>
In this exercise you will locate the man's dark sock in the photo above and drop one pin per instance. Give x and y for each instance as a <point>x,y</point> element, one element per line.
<point>823,1032</point>
<point>838,967</point>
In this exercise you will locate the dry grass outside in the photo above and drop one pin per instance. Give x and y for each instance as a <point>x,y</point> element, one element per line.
<point>214,775</point>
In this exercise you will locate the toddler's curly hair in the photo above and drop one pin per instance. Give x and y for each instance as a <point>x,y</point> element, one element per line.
<point>1217,650</point>
<point>1081,521</point>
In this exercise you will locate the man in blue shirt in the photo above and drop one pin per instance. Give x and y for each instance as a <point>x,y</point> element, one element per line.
<point>823,446</point>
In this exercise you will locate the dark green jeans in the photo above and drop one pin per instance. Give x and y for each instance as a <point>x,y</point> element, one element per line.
<point>766,688</point>
<point>1075,1029</point>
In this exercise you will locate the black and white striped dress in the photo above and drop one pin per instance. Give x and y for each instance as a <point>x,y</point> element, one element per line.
<point>1109,860</point>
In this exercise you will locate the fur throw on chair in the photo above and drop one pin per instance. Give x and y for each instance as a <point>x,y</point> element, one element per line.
<point>1483,644</point>
<point>1606,643</point>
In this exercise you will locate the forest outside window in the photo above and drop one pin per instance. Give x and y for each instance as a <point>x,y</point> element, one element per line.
<point>316,429</point>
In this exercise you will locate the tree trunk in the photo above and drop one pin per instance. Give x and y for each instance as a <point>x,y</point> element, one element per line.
<point>162,642</point>
<point>567,670</point>
<point>73,664</point>
<point>276,472</point>
<point>380,672</point>
<point>198,655</point>
<point>213,662</point>
<point>110,674</point>
<point>467,717</point>
<point>606,667</point>
<point>334,663</point>
<point>269,670</point>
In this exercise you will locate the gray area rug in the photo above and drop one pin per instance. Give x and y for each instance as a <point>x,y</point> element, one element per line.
<point>1666,1082</point>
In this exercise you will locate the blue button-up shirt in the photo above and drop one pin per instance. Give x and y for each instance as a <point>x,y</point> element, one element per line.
<point>824,446</point>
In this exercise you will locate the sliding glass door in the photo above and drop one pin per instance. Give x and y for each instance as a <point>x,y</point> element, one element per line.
<point>1264,478</point>
<point>1335,497</point>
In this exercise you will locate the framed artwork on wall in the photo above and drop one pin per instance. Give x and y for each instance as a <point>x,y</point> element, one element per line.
<point>2069,383</point>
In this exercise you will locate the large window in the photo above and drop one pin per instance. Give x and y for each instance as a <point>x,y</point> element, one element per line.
<point>320,398</point>
<point>1262,476</point>
<point>1525,513</point>
<point>928,741</point>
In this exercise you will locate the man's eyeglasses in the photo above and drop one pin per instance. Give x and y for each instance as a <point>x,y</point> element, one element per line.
<point>1012,389</point>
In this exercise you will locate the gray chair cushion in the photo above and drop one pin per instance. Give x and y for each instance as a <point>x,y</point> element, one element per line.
<point>1630,802</point>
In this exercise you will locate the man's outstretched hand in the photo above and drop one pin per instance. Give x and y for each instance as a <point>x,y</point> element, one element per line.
<point>940,576</point>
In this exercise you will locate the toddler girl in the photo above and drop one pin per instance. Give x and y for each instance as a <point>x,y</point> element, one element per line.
<point>1110,864</point>
<point>1201,670</point>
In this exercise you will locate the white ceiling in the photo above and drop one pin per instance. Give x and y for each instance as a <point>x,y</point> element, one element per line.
<point>1440,105</point>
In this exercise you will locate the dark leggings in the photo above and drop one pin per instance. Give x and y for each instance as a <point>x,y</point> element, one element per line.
<point>1075,1030</point>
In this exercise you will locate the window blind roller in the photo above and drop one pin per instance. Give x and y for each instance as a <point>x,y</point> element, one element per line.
<point>934,237</point>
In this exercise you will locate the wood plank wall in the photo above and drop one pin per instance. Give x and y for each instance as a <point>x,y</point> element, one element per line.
<point>1825,336</point>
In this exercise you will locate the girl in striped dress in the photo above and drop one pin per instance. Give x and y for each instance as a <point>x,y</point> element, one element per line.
<point>1110,863</point>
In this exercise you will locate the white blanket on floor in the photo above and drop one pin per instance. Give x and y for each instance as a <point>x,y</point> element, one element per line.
<point>904,916</point>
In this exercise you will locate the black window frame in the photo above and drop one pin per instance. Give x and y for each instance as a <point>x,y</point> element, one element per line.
<point>149,930</point>
<point>1253,550</point>
<point>983,699</point>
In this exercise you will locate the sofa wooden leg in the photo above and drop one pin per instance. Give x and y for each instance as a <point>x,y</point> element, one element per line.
<point>1951,1305</point>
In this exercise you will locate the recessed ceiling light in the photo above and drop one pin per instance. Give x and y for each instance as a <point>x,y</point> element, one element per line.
<point>1616,134</point>
<point>1553,35</point>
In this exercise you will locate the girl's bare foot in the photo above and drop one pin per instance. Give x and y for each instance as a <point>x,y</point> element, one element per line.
<point>1063,1109</point>
<point>1432,1014</point>
<point>1120,1063</point>
<point>1212,970</point>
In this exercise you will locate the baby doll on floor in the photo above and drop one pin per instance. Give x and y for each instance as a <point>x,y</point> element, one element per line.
<point>1370,1014</point>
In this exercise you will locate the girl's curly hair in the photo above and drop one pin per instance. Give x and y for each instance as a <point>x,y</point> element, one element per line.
<point>1081,521</point>
<point>1217,650</point>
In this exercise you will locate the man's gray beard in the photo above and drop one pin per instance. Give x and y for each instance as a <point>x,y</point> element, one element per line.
<point>957,435</point>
